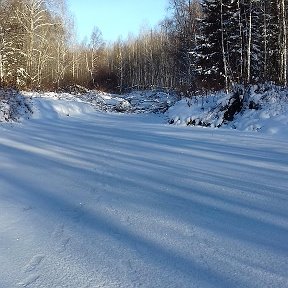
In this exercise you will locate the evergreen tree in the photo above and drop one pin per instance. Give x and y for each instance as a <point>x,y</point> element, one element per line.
<point>209,53</point>
<point>231,46</point>
<point>271,41</point>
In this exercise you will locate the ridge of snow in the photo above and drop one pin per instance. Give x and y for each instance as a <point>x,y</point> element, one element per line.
<point>268,114</point>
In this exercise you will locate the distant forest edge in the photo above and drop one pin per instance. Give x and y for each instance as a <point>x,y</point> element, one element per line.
<point>202,45</point>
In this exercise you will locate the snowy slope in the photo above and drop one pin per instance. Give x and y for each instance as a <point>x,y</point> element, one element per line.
<point>264,109</point>
<point>117,200</point>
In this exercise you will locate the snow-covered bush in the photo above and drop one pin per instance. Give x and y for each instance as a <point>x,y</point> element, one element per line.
<point>151,101</point>
<point>13,105</point>
<point>257,107</point>
<point>73,89</point>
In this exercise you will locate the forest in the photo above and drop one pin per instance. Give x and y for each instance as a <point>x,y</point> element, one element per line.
<point>200,46</point>
<point>158,160</point>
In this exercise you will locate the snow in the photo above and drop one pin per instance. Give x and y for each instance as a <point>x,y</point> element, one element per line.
<point>93,199</point>
<point>13,106</point>
<point>136,101</point>
<point>268,114</point>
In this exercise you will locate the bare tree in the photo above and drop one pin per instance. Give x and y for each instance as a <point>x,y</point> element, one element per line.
<point>93,53</point>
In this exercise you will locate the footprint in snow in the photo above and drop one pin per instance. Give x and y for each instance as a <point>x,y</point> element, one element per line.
<point>28,281</point>
<point>60,240</point>
<point>32,265</point>
<point>62,246</point>
<point>34,262</point>
<point>58,232</point>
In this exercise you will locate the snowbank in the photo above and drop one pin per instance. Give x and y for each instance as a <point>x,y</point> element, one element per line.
<point>96,100</point>
<point>13,106</point>
<point>118,200</point>
<point>51,108</point>
<point>135,102</point>
<point>260,108</point>
<point>151,101</point>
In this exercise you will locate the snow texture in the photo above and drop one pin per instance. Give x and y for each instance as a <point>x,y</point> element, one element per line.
<point>93,199</point>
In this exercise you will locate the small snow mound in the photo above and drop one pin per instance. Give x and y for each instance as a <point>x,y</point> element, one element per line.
<point>96,100</point>
<point>135,102</point>
<point>14,106</point>
<point>74,89</point>
<point>51,108</point>
<point>151,101</point>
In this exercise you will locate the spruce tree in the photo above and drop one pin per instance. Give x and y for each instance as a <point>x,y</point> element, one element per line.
<point>208,56</point>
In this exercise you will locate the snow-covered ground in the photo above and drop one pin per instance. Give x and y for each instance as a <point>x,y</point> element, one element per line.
<point>93,199</point>
<point>134,102</point>
<point>264,108</point>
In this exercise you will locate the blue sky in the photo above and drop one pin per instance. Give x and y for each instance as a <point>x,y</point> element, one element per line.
<point>116,17</point>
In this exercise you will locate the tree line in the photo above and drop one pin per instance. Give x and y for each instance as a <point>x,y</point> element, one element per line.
<point>209,44</point>
<point>38,46</point>
<point>242,41</point>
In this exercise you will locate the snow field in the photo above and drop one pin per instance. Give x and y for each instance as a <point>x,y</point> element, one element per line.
<point>116,200</point>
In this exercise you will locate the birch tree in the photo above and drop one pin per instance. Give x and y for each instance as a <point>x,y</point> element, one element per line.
<point>93,53</point>
<point>283,41</point>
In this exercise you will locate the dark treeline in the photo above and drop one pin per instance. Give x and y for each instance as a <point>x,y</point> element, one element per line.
<point>242,42</point>
<point>205,44</point>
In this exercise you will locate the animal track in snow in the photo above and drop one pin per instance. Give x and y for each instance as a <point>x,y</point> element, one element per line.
<point>32,265</point>
<point>29,280</point>
<point>34,262</point>
<point>62,245</point>
<point>58,232</point>
<point>60,240</point>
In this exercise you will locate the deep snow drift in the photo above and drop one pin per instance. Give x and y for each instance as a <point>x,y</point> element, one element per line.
<point>92,199</point>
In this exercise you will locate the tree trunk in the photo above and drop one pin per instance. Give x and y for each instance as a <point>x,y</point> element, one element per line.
<point>223,49</point>
<point>249,46</point>
<point>283,44</point>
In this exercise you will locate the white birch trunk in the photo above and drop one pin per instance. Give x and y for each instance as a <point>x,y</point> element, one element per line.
<point>240,39</point>
<point>284,43</point>
<point>1,70</point>
<point>249,44</point>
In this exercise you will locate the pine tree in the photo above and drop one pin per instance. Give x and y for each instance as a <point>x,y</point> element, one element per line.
<point>231,46</point>
<point>209,55</point>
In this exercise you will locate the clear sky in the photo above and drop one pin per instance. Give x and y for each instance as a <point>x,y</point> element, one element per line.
<point>116,17</point>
